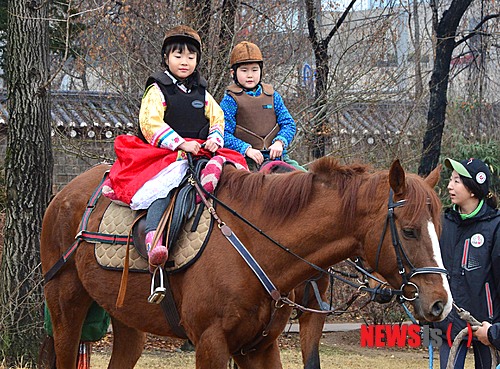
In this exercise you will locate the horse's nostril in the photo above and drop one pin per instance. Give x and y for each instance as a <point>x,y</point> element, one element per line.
<point>437,309</point>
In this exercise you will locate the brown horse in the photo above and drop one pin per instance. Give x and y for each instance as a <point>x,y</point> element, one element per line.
<point>323,216</point>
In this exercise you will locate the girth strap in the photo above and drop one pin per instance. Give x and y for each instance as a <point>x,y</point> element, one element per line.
<point>170,310</point>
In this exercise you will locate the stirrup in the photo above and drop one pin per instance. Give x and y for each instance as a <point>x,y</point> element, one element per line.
<point>158,293</point>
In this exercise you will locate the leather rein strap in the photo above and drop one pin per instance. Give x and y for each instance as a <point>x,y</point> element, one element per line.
<point>238,245</point>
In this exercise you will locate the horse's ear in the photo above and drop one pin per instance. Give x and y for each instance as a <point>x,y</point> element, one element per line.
<point>397,178</point>
<point>433,178</point>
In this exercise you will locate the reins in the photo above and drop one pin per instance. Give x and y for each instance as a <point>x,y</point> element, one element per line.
<point>275,294</point>
<point>252,263</point>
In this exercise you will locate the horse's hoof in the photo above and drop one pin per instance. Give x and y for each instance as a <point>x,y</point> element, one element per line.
<point>158,255</point>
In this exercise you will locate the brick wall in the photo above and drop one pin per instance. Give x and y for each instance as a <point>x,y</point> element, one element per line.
<point>68,164</point>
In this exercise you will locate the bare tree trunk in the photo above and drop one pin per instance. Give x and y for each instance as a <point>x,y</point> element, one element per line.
<point>198,16</point>
<point>220,61</point>
<point>319,126</point>
<point>445,31</point>
<point>419,89</point>
<point>29,166</point>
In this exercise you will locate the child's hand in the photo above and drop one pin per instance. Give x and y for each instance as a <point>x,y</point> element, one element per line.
<point>190,146</point>
<point>255,155</point>
<point>211,146</point>
<point>276,150</point>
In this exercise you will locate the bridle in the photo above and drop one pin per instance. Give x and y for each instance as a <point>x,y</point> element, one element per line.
<point>401,255</point>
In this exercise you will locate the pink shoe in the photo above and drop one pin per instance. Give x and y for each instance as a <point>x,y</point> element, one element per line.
<point>158,254</point>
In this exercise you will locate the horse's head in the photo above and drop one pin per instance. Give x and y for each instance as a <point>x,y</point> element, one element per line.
<point>389,218</point>
<point>406,252</point>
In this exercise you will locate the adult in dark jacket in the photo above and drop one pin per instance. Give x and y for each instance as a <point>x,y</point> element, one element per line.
<point>470,247</point>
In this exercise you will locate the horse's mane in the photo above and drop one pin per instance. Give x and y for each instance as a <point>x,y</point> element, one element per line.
<point>345,178</point>
<point>287,194</point>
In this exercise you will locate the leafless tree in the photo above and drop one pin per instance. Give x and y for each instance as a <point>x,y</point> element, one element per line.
<point>447,40</point>
<point>28,179</point>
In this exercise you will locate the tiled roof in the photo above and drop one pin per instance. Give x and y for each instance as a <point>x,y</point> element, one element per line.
<point>87,114</point>
<point>379,119</point>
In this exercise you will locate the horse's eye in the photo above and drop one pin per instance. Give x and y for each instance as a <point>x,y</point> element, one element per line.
<point>409,233</point>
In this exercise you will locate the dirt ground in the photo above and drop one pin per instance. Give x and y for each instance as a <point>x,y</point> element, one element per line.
<point>338,350</point>
<point>347,341</point>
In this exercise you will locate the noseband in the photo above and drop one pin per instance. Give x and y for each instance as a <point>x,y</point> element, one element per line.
<point>400,252</point>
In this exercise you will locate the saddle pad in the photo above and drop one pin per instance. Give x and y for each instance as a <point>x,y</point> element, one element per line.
<point>118,220</point>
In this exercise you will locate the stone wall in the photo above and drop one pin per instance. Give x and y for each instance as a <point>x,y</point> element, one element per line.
<point>68,165</point>
<point>72,157</point>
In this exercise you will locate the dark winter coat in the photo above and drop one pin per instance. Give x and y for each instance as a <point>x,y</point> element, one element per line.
<point>471,253</point>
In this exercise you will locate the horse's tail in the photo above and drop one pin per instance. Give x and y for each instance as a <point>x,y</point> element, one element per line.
<point>47,354</point>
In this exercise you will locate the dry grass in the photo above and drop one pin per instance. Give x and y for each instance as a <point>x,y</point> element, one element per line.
<point>330,358</point>
<point>338,350</point>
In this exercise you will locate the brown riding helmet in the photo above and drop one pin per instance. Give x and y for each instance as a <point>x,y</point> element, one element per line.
<point>182,33</point>
<point>245,52</point>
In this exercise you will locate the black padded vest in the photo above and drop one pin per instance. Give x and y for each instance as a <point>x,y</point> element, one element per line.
<point>185,111</point>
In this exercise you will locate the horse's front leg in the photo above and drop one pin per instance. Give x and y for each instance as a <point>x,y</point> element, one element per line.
<point>264,358</point>
<point>128,344</point>
<point>212,351</point>
<point>311,330</point>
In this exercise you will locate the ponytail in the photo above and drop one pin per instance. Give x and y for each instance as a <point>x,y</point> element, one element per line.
<point>491,200</point>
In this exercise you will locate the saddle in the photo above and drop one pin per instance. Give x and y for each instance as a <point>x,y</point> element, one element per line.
<point>117,222</point>
<point>183,209</point>
<point>188,226</point>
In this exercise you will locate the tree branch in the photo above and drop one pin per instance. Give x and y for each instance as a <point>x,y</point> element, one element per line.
<point>476,30</point>
<point>339,22</point>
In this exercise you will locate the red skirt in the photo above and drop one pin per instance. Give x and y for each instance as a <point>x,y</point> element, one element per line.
<point>137,162</point>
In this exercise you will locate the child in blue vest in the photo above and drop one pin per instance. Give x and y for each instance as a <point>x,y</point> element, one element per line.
<point>256,119</point>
